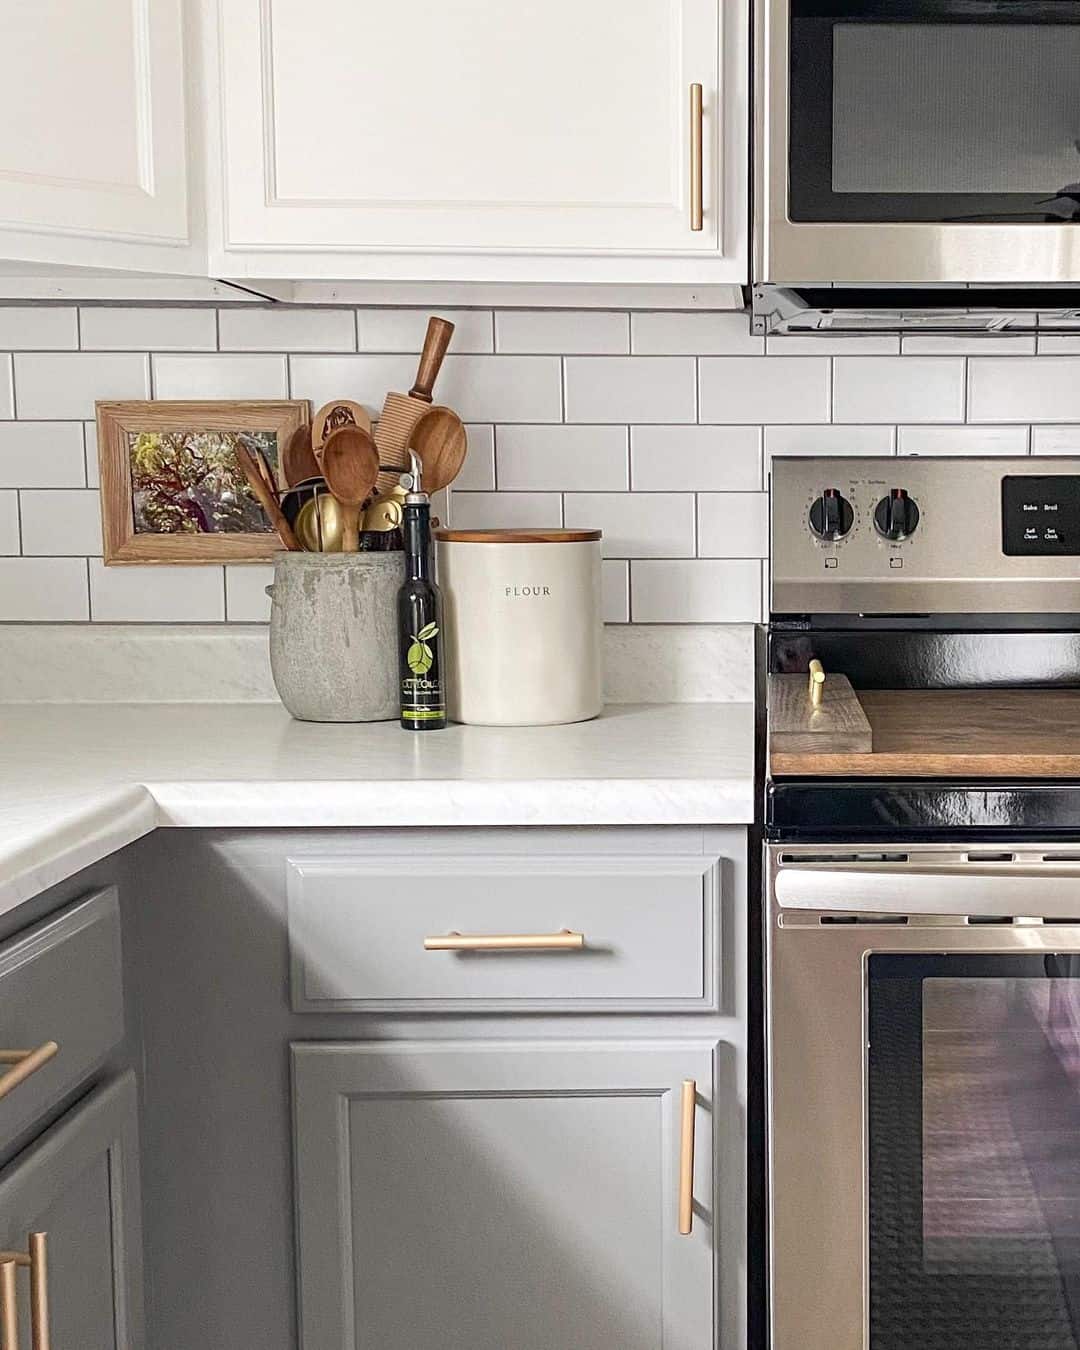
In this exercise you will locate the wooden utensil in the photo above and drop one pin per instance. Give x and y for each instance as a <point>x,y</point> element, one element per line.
<point>440,442</point>
<point>298,460</point>
<point>401,412</point>
<point>341,412</point>
<point>350,465</point>
<point>265,495</point>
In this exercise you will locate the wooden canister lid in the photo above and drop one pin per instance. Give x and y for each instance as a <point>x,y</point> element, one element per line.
<point>520,536</point>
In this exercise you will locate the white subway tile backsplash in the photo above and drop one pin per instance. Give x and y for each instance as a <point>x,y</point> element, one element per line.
<point>1058,344</point>
<point>693,334</point>
<point>636,524</point>
<point>764,389</point>
<point>501,388</point>
<point>43,590</point>
<point>34,328</point>
<point>67,384</point>
<point>1055,440</point>
<point>962,440</point>
<point>7,387</point>
<point>630,389</point>
<point>898,389</point>
<point>968,344</point>
<point>562,331</point>
<point>365,379</point>
<point>147,328</point>
<point>478,472</point>
<point>93,470</point>
<point>733,525</point>
<point>156,594</point>
<point>615,590</point>
<point>214,377</point>
<point>246,600</point>
<point>562,458</point>
<point>505,510</point>
<point>253,328</point>
<point>41,454</point>
<point>402,330</point>
<point>695,459</point>
<point>842,344</point>
<point>829,440</point>
<point>700,590</point>
<point>1035,389</point>
<point>9,522</point>
<point>60,522</point>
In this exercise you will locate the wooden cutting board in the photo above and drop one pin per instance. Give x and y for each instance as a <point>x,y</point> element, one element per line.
<point>797,727</point>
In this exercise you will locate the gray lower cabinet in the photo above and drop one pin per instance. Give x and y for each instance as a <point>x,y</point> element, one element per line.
<point>468,1196</point>
<point>79,1183</point>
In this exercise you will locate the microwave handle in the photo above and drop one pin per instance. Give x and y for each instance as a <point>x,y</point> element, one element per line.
<point>1001,893</point>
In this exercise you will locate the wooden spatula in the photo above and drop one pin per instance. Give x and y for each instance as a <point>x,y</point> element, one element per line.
<point>265,495</point>
<point>350,465</point>
<point>401,412</point>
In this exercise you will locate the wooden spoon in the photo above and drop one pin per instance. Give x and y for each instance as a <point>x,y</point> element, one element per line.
<point>341,412</point>
<point>350,465</point>
<point>440,442</point>
<point>266,498</point>
<point>298,461</point>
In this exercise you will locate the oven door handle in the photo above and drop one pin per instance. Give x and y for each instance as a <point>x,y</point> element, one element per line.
<point>1005,892</point>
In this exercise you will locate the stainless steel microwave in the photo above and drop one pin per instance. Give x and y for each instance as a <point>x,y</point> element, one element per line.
<point>918,142</point>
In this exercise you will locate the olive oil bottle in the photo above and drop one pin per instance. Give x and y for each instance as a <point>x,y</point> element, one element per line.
<point>420,644</point>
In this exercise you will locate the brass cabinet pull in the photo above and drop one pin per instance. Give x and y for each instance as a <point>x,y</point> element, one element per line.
<point>817,683</point>
<point>36,1258</point>
<point>697,170</point>
<point>686,1157</point>
<point>565,941</point>
<point>24,1063</point>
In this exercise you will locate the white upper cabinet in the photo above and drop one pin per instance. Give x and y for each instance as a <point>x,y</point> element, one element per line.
<point>536,130</point>
<point>93,148</point>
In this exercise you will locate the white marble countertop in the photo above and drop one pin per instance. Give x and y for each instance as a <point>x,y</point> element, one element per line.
<point>79,781</point>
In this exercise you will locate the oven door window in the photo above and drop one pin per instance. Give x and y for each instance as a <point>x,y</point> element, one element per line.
<point>916,110</point>
<point>974,1152</point>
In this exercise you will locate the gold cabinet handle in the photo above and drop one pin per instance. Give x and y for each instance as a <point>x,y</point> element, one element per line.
<point>817,683</point>
<point>686,1157</point>
<point>565,941</point>
<point>36,1258</point>
<point>24,1063</point>
<point>697,170</point>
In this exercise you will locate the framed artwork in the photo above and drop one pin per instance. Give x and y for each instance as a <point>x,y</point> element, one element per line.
<point>171,488</point>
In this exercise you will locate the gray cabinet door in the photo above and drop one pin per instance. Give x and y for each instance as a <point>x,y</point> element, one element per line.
<point>460,1196</point>
<point>79,1183</point>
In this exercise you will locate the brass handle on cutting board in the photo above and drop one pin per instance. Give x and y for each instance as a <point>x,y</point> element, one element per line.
<point>697,170</point>
<point>817,683</point>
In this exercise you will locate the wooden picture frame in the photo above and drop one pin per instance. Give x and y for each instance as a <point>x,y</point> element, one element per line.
<point>128,512</point>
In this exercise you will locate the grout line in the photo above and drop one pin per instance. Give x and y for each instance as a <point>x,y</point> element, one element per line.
<point>18,520</point>
<point>217,330</point>
<point>964,404</point>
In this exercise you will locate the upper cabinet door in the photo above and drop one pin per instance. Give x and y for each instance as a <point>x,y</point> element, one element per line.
<point>93,150</point>
<point>537,125</point>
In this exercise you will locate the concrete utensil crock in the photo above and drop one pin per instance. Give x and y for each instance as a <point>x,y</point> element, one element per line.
<point>333,635</point>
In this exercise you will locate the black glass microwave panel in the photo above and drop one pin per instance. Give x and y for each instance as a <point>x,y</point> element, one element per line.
<point>974,1151</point>
<point>1040,515</point>
<point>951,111</point>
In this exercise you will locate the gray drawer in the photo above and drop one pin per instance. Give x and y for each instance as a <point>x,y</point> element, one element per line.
<point>362,933</point>
<point>60,981</point>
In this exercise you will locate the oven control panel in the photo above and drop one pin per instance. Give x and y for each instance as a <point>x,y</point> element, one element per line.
<point>915,535</point>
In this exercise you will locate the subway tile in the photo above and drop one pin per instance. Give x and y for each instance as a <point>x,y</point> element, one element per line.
<point>1058,344</point>
<point>365,379</point>
<point>1055,440</point>
<point>60,522</point>
<point>119,328</point>
<point>43,590</point>
<point>1038,389</point>
<point>829,440</point>
<point>562,458</point>
<point>246,600</point>
<point>898,389</point>
<point>562,331</point>
<point>403,330</point>
<point>764,389</point>
<point>505,510</point>
<point>41,454</point>
<point>255,328</point>
<point>133,594</point>
<point>32,328</point>
<point>694,333</point>
<point>968,344</point>
<point>636,524</point>
<point>699,590</point>
<point>695,459</point>
<point>733,525</point>
<point>837,344</point>
<point>7,387</point>
<point>630,389</point>
<point>478,472</point>
<point>615,590</point>
<point>93,471</point>
<point>962,440</point>
<point>9,522</point>
<point>220,377</point>
<point>67,384</point>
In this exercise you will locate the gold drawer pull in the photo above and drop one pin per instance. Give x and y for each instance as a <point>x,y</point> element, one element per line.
<point>686,1157</point>
<point>36,1258</point>
<point>506,942</point>
<point>697,173</point>
<point>24,1063</point>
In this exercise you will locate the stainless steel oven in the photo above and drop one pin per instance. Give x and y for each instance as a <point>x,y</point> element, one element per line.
<point>918,142</point>
<point>923,1042</point>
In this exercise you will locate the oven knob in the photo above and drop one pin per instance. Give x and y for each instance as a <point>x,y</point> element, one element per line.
<point>896,516</point>
<point>831,516</point>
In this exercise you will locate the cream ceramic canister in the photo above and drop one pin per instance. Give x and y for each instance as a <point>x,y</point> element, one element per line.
<point>523,625</point>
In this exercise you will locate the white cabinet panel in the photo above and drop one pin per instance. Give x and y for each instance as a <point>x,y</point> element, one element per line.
<point>539,125</point>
